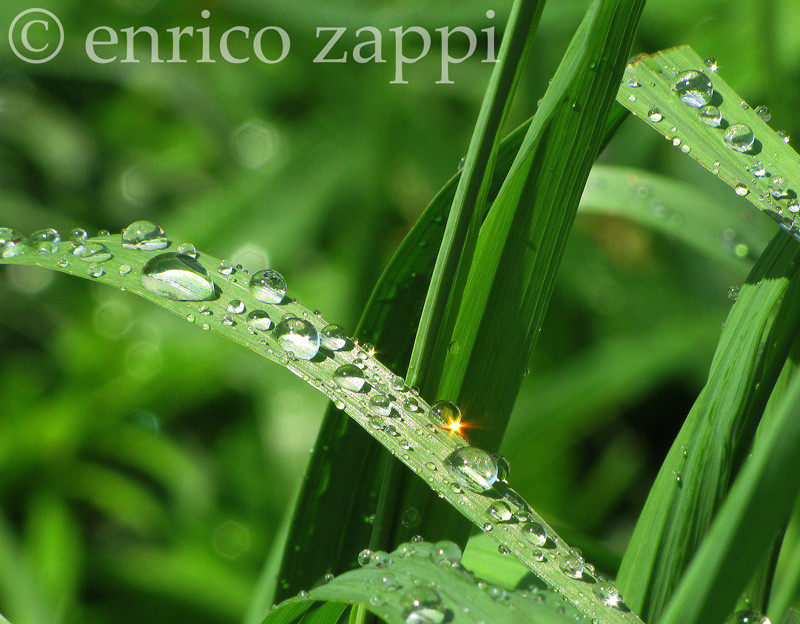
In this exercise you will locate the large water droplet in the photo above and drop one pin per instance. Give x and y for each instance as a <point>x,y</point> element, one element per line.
<point>535,533</point>
<point>268,286</point>
<point>93,252</point>
<point>573,566</point>
<point>739,137</point>
<point>710,116</point>
<point>333,337</point>
<point>694,88</point>
<point>45,241</point>
<point>179,277</point>
<point>12,243</point>
<point>259,320</point>
<point>350,377</point>
<point>422,605</point>
<point>298,337</point>
<point>144,235</point>
<point>473,468</point>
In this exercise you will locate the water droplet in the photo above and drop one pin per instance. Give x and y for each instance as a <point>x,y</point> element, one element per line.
<point>503,467</point>
<point>631,98</point>
<point>124,269</point>
<point>78,235</point>
<point>381,405</point>
<point>145,236</point>
<point>461,163</point>
<point>573,566</point>
<point>793,206</point>
<point>535,533</point>
<point>178,277</point>
<point>236,307</point>
<point>748,616</point>
<point>350,377</point>
<point>12,243</point>
<point>45,241</point>
<point>499,511</point>
<point>364,557</point>
<point>685,148</point>
<point>503,549</point>
<point>655,115</point>
<point>784,137</point>
<point>332,336</point>
<point>187,249</point>
<point>297,336</point>
<point>733,293</point>
<point>759,170</point>
<point>444,412</point>
<point>710,116</point>
<point>225,267</point>
<point>268,286</point>
<point>608,595</point>
<point>93,252</point>
<point>487,526</point>
<point>410,518</point>
<point>739,137</point>
<point>694,88</point>
<point>205,310</point>
<point>63,263</point>
<point>473,468</point>
<point>763,112</point>
<point>632,82</point>
<point>411,405</point>
<point>422,605</point>
<point>676,141</point>
<point>711,63</point>
<point>96,271</point>
<point>259,320</point>
<point>741,190</point>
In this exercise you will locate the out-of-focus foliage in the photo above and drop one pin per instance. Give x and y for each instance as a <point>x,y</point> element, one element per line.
<point>132,488</point>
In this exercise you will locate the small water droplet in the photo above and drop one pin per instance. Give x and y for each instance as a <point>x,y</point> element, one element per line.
<point>93,252</point>
<point>225,267</point>
<point>739,137</point>
<point>733,293</point>
<point>758,169</point>
<point>748,616</point>
<point>381,405</point>
<point>268,286</point>
<point>298,337</point>
<point>503,549</point>
<point>573,566</point>
<point>741,190</point>
<point>398,384</point>
<point>535,533</point>
<point>444,412</point>
<point>711,63</point>
<point>784,137</point>
<point>499,511</point>
<point>710,116</point>
<point>694,88</point>
<point>350,377</point>
<point>96,271</point>
<point>473,468</point>
<point>410,518</point>
<point>124,269</point>
<point>685,148</point>
<point>12,243</point>
<point>411,405</point>
<point>227,320</point>
<point>676,141</point>
<point>259,320</point>
<point>655,115</point>
<point>608,595</point>
<point>145,236</point>
<point>236,307</point>
<point>78,235</point>
<point>364,557</point>
<point>333,337</point>
<point>487,526</point>
<point>187,249</point>
<point>631,98</point>
<point>63,263</point>
<point>763,112</point>
<point>45,241</point>
<point>178,277</point>
<point>632,82</point>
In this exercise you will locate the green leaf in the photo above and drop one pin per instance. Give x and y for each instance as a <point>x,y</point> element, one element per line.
<point>390,583</point>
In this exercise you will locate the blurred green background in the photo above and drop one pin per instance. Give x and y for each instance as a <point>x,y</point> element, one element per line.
<point>145,467</point>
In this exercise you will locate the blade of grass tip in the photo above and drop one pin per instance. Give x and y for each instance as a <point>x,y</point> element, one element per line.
<point>753,513</point>
<point>716,435</point>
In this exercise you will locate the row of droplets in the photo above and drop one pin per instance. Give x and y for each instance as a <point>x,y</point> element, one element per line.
<point>695,89</point>
<point>181,276</point>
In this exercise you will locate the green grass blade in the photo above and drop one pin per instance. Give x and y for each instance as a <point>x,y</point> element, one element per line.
<point>710,446</point>
<point>388,590</point>
<point>306,612</point>
<point>761,496</point>
<point>766,173</point>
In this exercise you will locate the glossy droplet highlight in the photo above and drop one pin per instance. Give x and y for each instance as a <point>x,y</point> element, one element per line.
<point>187,249</point>
<point>381,405</point>
<point>298,337</point>
<point>573,566</point>
<point>655,115</point>
<point>749,616</point>
<point>236,307</point>
<point>145,236</point>
<point>268,286</point>
<point>473,468</point>
<point>178,277</point>
<point>710,116</point>
<point>739,137</point>
<point>499,512</point>
<point>444,412</point>
<point>350,377</point>
<point>711,63</point>
<point>763,112</point>
<point>422,605</point>
<point>93,252</point>
<point>535,533</point>
<point>741,190</point>
<point>45,241</point>
<point>694,88</point>
<point>608,595</point>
